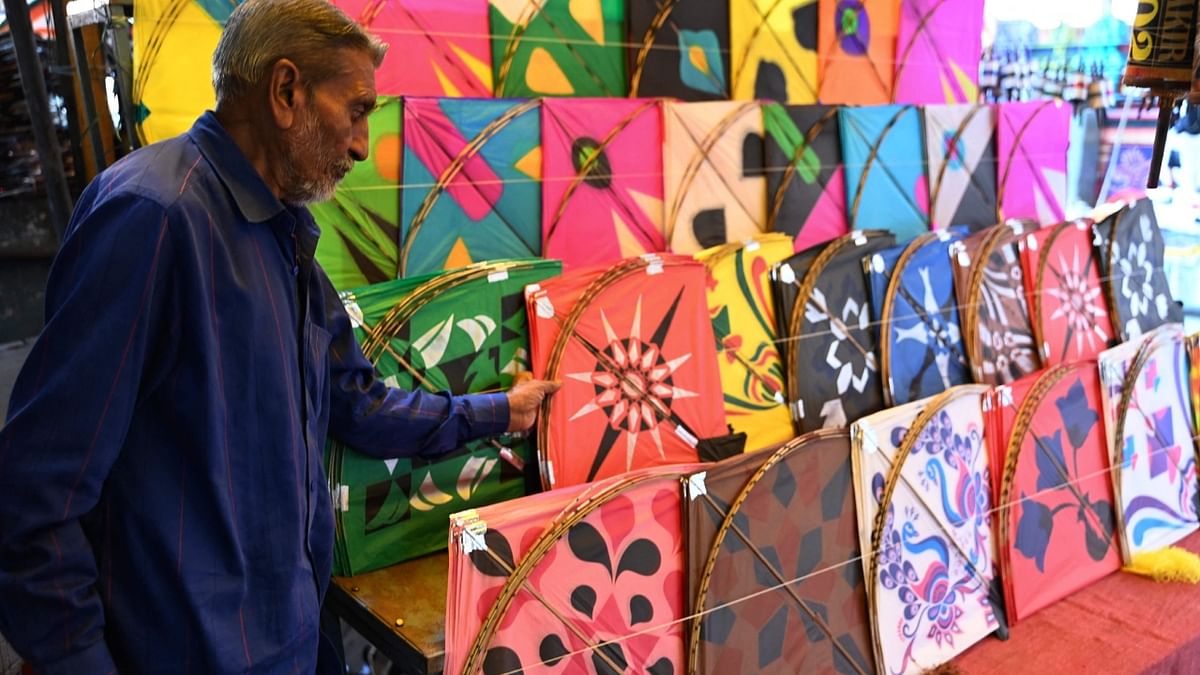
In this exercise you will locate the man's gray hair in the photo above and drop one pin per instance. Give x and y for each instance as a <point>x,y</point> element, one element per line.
<point>261,32</point>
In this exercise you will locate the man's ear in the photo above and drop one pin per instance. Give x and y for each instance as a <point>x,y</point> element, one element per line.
<point>286,92</point>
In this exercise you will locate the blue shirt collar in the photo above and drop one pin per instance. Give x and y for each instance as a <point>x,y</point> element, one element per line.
<point>250,192</point>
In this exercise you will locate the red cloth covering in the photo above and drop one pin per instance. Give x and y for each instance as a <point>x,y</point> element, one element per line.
<point>1123,623</point>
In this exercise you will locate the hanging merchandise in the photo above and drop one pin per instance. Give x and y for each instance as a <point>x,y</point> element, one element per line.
<point>806,183</point>
<point>472,183</point>
<point>601,190</point>
<point>937,51</point>
<point>436,48</point>
<point>743,322</point>
<point>360,226</point>
<point>962,165</point>
<point>1031,147</point>
<point>886,187</point>
<point>912,300</point>
<point>772,562</point>
<point>634,349</point>
<point>559,47</point>
<point>167,97</point>
<point>830,345</point>
<point>585,580</point>
<point>713,172</point>
<point>989,285</point>
<point>1055,498</point>
<point>921,474</point>
<point>679,49</point>
<point>1147,417</point>
<point>857,50</point>
<point>1130,249</point>
<point>464,332</point>
<point>1066,302</point>
<point>1193,342</point>
<point>774,50</point>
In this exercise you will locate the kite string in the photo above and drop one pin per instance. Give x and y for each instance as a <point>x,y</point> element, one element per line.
<point>631,175</point>
<point>829,569</point>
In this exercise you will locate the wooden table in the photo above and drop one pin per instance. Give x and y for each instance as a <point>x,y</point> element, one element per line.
<point>400,609</point>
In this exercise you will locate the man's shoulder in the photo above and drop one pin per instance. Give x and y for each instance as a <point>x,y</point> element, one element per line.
<point>159,173</point>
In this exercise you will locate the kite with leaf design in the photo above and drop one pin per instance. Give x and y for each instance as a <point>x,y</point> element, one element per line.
<point>679,49</point>
<point>806,182</point>
<point>464,332</point>
<point>1056,531</point>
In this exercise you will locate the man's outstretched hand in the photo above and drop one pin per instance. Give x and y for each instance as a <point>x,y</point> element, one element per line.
<point>524,399</point>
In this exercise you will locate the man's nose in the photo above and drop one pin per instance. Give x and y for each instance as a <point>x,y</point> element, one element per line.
<point>360,143</point>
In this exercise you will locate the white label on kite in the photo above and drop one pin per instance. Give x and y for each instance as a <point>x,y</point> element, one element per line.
<point>1031,242</point>
<point>498,275</point>
<point>751,245</point>
<point>695,485</point>
<point>531,289</point>
<point>655,267</point>
<point>687,436</point>
<point>877,263</point>
<point>545,308</point>
<point>354,312</point>
<point>860,239</point>
<point>786,274</point>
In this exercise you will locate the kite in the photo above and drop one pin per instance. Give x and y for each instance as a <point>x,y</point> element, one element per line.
<point>1147,417</point>
<point>1031,148</point>
<point>1130,249</point>
<point>921,476</point>
<point>635,352</point>
<point>558,47</point>
<point>830,344</point>
<point>772,562</point>
<point>360,225</point>
<point>1055,532</point>
<point>715,190</point>
<point>679,49</point>
<point>774,50</point>
<point>912,300</point>
<point>167,96</point>
<point>1066,304</point>
<point>962,159</point>
<point>988,283</point>
<point>601,189</point>
<point>937,51</point>
<point>886,187</point>
<point>743,323</point>
<point>588,579</point>
<point>1193,342</point>
<point>806,183</point>
<point>464,332</point>
<point>472,183</point>
<point>857,49</point>
<point>438,48</point>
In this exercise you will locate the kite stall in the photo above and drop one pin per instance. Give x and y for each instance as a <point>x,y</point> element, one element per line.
<point>850,381</point>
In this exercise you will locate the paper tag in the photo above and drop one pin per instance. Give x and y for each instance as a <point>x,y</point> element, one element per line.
<point>353,311</point>
<point>687,436</point>
<point>545,308</point>
<point>798,410</point>
<point>1031,242</point>
<point>870,444</point>
<point>877,263</point>
<point>463,517</point>
<point>498,275</point>
<point>779,398</point>
<point>1016,226</point>
<point>341,498</point>
<point>1004,394</point>
<point>1046,351</point>
<point>531,289</point>
<point>473,539</point>
<point>964,260</point>
<point>550,471</point>
<point>859,238</point>
<point>751,245</point>
<point>787,275</point>
<point>655,267</point>
<point>695,485</point>
<point>987,404</point>
<point>943,235</point>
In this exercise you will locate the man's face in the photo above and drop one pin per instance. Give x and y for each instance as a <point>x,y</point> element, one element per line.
<point>330,133</point>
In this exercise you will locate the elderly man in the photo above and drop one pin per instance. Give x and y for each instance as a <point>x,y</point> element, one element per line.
<point>163,506</point>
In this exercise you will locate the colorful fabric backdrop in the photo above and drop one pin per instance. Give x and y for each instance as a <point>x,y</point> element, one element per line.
<point>938,50</point>
<point>472,183</point>
<point>774,50</point>
<point>558,47</point>
<point>679,49</point>
<point>437,48</point>
<point>601,190</point>
<point>360,226</point>
<point>883,149</point>
<point>712,163</point>
<point>806,182</point>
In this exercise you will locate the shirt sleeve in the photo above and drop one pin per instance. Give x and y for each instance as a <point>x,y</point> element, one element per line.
<point>385,422</point>
<point>68,418</point>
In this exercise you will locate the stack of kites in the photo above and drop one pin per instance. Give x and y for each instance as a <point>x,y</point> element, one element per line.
<point>842,387</point>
